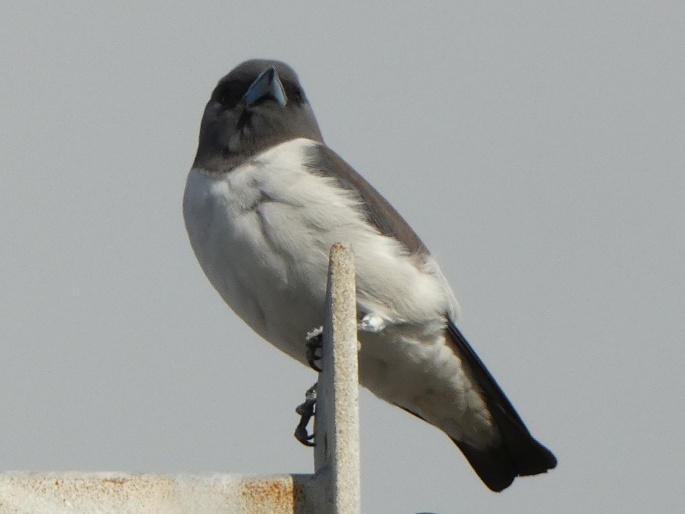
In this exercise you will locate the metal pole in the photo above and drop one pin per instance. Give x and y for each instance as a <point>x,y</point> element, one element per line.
<point>336,426</point>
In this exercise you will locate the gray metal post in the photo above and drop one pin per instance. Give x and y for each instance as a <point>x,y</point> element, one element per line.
<point>336,454</point>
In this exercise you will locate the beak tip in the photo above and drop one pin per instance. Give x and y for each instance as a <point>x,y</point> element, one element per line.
<point>267,84</point>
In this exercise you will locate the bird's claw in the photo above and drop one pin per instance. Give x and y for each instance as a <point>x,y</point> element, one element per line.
<point>306,411</point>
<point>314,342</point>
<point>371,323</point>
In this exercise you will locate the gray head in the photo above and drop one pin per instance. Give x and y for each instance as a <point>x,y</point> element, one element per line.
<point>257,105</point>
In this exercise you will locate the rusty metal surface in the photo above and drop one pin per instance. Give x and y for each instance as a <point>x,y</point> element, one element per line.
<point>71,493</point>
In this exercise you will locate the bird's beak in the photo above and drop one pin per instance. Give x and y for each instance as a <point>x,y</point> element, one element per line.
<point>267,84</point>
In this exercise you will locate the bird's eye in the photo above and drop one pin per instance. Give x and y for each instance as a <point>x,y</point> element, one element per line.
<point>228,96</point>
<point>297,95</point>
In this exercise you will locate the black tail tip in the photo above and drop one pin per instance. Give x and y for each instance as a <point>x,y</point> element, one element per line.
<point>498,467</point>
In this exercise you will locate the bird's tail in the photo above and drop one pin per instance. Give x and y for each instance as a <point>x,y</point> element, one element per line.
<point>518,456</point>
<point>518,453</point>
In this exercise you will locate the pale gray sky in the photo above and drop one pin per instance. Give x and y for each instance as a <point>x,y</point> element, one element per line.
<point>536,147</point>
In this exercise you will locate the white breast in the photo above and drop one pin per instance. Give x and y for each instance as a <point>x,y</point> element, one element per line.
<point>262,233</point>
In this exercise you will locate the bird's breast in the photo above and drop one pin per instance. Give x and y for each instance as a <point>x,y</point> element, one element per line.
<point>262,233</point>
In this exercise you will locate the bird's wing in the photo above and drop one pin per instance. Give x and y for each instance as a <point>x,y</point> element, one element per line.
<point>378,211</point>
<point>518,453</point>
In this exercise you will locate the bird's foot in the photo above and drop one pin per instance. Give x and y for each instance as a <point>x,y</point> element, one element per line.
<point>306,411</point>
<point>371,323</point>
<point>314,342</point>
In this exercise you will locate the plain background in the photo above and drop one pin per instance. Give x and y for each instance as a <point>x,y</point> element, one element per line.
<point>537,148</point>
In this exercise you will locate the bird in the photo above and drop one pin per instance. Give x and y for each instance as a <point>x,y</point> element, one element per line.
<point>264,201</point>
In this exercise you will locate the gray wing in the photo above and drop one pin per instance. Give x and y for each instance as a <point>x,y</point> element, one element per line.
<point>378,211</point>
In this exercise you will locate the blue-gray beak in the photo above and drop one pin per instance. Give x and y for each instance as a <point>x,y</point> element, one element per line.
<point>267,84</point>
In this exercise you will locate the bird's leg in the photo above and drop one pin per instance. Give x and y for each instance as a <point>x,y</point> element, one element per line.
<point>306,411</point>
<point>314,342</point>
<point>369,323</point>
